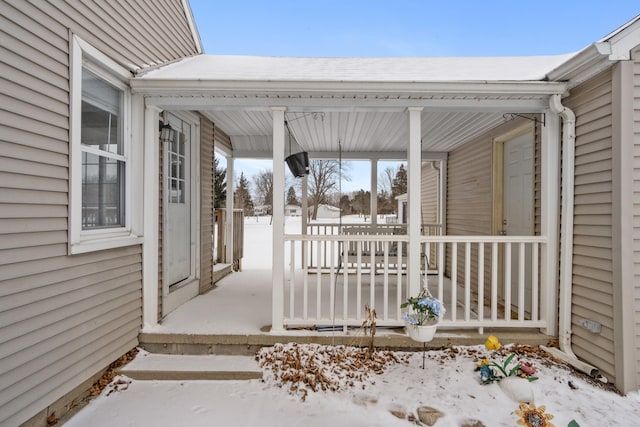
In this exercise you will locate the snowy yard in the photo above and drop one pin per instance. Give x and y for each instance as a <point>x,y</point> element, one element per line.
<point>449,384</point>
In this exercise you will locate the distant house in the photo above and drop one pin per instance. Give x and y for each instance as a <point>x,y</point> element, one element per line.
<point>402,208</point>
<point>262,210</point>
<point>328,211</point>
<point>293,210</point>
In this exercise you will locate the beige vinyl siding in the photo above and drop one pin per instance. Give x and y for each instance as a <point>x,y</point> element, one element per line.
<point>636,208</point>
<point>470,194</point>
<point>159,28</point>
<point>62,318</point>
<point>222,138</point>
<point>429,194</point>
<point>592,246</point>
<point>537,180</point>
<point>207,218</point>
<point>470,199</point>
<point>429,184</point>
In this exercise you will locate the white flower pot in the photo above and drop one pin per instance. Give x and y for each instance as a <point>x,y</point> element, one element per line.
<point>421,333</point>
<point>517,389</point>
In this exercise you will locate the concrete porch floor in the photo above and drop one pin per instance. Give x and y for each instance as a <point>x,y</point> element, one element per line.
<point>235,319</point>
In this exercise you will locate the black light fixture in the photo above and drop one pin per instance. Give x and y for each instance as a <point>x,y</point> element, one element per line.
<point>299,162</point>
<point>167,133</point>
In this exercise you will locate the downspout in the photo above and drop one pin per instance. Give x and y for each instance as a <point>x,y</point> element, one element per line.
<point>435,167</point>
<point>566,243</point>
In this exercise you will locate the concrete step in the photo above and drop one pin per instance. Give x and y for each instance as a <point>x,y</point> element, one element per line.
<point>220,271</point>
<point>390,339</point>
<point>150,366</point>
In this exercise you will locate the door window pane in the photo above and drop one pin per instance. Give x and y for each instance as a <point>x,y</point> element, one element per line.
<point>176,178</point>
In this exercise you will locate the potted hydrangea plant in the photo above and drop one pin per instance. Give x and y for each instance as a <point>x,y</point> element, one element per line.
<point>422,319</point>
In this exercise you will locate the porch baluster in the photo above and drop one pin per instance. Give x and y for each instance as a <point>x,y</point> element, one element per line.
<point>467,281</point>
<point>358,281</point>
<point>333,277</point>
<point>319,282</point>
<point>454,280</point>
<point>441,266</point>
<point>385,312</point>
<point>480,284</point>
<point>494,281</point>
<point>507,282</point>
<point>372,274</point>
<point>345,282</point>
<point>535,281</point>
<point>399,280</point>
<point>521,282</point>
<point>292,277</point>
<point>305,281</point>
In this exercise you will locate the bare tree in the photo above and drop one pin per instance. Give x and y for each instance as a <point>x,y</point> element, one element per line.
<point>263,185</point>
<point>385,179</point>
<point>323,181</point>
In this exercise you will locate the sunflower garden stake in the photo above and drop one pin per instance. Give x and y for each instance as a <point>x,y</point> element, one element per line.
<point>530,416</point>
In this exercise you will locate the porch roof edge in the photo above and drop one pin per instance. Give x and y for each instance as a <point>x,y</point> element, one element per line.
<point>187,87</point>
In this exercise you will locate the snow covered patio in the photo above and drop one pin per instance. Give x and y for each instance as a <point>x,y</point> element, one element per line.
<point>236,317</point>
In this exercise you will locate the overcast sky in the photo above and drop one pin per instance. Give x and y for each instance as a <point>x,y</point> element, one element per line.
<point>388,28</point>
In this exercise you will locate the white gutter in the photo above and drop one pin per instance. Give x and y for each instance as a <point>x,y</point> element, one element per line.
<point>566,244</point>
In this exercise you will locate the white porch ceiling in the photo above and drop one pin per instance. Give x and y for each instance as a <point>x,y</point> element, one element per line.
<point>361,102</point>
<point>362,134</point>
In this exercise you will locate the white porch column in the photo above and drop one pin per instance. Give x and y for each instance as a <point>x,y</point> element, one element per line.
<point>305,217</point>
<point>305,203</point>
<point>374,192</point>
<point>277,299</point>
<point>228,226</point>
<point>413,226</point>
<point>151,217</point>
<point>550,204</point>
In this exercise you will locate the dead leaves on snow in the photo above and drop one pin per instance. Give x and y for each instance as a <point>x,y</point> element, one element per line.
<point>313,367</point>
<point>110,374</point>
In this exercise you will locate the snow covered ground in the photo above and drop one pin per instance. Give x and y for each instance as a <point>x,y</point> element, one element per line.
<point>449,383</point>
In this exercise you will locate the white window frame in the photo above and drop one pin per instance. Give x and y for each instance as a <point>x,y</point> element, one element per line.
<point>86,56</point>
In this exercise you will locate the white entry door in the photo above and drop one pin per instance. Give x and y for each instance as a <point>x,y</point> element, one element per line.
<point>178,204</point>
<point>518,207</point>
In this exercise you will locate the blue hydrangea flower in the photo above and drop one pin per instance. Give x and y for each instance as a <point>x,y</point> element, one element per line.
<point>410,319</point>
<point>434,306</point>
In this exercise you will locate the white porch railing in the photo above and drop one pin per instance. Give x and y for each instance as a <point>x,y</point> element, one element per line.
<point>335,229</point>
<point>484,281</point>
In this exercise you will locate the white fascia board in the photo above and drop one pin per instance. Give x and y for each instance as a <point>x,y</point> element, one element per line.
<point>347,104</point>
<point>150,86</point>
<point>622,41</point>
<point>598,56</point>
<point>192,26</point>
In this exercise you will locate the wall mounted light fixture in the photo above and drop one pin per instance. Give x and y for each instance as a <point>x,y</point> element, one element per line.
<point>167,133</point>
